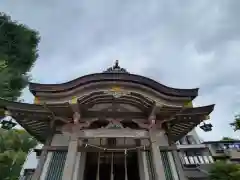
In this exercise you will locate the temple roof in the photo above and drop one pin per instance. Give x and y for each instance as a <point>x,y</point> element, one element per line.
<point>37,119</point>
<point>138,100</point>
<point>112,74</point>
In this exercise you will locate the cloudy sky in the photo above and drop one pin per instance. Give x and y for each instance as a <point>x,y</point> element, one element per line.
<point>180,43</point>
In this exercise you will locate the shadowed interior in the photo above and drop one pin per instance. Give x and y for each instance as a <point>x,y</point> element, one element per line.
<point>105,166</point>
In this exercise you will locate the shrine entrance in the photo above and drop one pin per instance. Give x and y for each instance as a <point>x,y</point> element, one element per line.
<point>111,166</point>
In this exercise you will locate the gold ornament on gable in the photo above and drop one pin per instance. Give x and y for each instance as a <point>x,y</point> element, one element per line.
<point>116,92</point>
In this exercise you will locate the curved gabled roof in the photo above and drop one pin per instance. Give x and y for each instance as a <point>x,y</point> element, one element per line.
<point>115,74</point>
<point>36,119</point>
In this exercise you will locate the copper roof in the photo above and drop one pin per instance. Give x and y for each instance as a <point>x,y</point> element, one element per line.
<point>116,74</point>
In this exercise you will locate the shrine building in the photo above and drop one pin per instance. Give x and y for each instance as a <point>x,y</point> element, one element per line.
<point>112,125</point>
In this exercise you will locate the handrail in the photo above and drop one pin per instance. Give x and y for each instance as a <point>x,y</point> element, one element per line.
<point>195,160</point>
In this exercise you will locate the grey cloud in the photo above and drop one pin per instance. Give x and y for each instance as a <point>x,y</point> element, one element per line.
<point>223,28</point>
<point>183,44</point>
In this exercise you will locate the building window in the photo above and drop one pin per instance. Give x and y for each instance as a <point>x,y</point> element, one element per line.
<point>190,139</point>
<point>182,141</point>
<point>193,153</point>
<point>219,147</point>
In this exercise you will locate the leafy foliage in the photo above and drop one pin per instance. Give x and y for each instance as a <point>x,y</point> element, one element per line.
<point>18,53</point>
<point>14,147</point>
<point>228,139</point>
<point>225,171</point>
<point>236,123</point>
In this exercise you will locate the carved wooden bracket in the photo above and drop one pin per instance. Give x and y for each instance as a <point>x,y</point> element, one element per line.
<point>152,124</point>
<point>75,128</point>
<point>152,117</point>
<point>76,118</point>
<point>141,124</point>
<point>144,125</point>
<point>114,122</point>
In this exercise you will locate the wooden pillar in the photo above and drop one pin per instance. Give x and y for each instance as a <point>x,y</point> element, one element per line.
<point>143,168</point>
<point>176,161</point>
<point>178,165</point>
<point>173,166</point>
<point>156,156</point>
<point>69,168</point>
<point>82,165</point>
<point>46,166</point>
<point>68,172</point>
<point>77,166</point>
<point>42,159</point>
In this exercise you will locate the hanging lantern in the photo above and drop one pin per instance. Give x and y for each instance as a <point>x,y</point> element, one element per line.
<point>236,123</point>
<point>7,122</point>
<point>206,127</point>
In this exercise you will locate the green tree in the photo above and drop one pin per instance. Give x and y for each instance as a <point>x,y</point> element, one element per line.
<point>18,53</point>
<point>236,123</point>
<point>224,171</point>
<point>14,147</point>
<point>228,139</point>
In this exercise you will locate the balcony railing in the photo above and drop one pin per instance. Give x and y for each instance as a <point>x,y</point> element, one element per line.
<point>233,153</point>
<point>219,150</point>
<point>226,149</point>
<point>225,146</point>
<point>191,146</point>
<point>196,160</point>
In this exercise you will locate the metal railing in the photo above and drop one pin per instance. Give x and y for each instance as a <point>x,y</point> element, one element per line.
<point>196,160</point>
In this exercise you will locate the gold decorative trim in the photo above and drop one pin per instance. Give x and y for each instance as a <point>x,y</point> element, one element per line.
<point>74,100</point>
<point>116,92</point>
<point>36,100</point>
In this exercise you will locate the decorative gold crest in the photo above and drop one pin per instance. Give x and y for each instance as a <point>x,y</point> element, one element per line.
<point>116,89</point>
<point>116,92</point>
<point>36,100</point>
<point>74,100</point>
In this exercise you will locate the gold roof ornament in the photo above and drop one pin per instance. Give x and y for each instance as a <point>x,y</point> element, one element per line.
<point>74,100</point>
<point>188,104</point>
<point>36,100</point>
<point>116,92</point>
<point>116,89</point>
